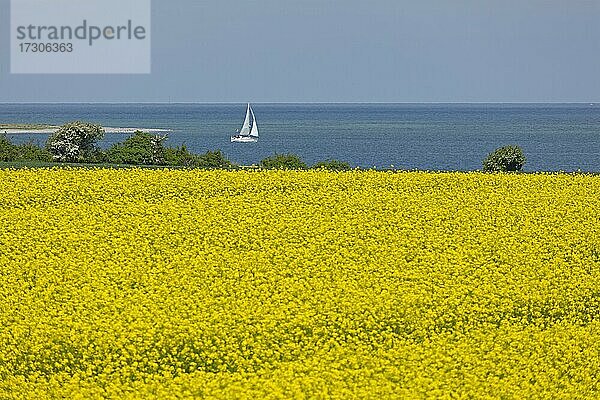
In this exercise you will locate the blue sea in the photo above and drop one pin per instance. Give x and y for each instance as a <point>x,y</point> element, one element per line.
<point>408,136</point>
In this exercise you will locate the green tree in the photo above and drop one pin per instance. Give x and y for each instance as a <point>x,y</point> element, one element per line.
<point>23,152</point>
<point>507,158</point>
<point>178,156</point>
<point>140,149</point>
<point>283,161</point>
<point>210,160</point>
<point>32,152</point>
<point>75,141</point>
<point>8,151</point>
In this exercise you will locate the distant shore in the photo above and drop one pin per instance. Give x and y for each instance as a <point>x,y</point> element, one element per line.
<point>15,129</point>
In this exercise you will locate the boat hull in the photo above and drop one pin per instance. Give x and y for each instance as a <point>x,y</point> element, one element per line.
<point>243,139</point>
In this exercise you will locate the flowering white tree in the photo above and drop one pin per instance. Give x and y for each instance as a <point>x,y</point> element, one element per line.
<point>158,153</point>
<point>74,141</point>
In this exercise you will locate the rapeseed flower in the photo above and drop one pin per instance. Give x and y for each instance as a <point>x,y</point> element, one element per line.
<point>310,284</point>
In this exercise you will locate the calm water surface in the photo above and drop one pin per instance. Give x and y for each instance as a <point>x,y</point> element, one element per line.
<point>424,136</point>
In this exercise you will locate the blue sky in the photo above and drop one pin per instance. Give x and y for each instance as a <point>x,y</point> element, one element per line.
<point>346,51</point>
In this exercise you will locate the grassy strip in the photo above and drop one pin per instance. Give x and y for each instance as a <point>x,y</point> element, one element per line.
<point>45,164</point>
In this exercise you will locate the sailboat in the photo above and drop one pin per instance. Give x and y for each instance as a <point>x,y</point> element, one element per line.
<point>249,131</point>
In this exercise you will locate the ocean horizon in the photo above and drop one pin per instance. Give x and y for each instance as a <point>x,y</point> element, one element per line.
<point>428,136</point>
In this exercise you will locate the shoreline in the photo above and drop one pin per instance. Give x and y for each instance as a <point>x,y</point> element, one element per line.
<point>46,131</point>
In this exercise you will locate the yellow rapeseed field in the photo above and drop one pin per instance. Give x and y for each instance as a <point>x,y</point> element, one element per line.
<point>273,284</point>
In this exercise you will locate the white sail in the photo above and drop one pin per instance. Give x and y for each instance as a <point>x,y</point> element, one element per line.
<point>249,131</point>
<point>254,125</point>
<point>246,127</point>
